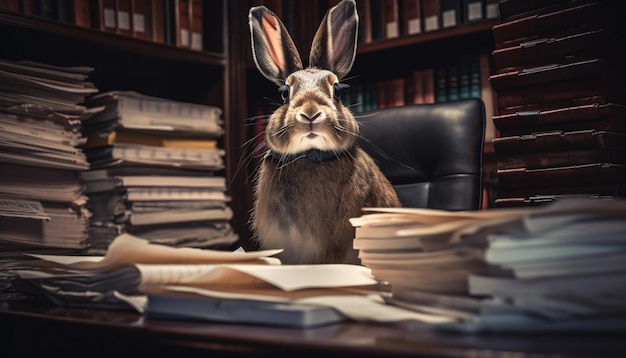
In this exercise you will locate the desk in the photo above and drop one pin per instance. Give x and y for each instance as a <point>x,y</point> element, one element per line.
<point>31,328</point>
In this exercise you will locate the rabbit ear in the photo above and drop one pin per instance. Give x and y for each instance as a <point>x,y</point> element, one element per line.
<point>274,52</point>
<point>334,44</point>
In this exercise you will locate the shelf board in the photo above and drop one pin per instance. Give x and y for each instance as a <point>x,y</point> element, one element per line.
<point>105,39</point>
<point>423,38</point>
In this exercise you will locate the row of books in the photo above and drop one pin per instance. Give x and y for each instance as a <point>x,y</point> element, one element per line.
<point>468,78</point>
<point>559,104</point>
<point>174,22</point>
<point>388,19</point>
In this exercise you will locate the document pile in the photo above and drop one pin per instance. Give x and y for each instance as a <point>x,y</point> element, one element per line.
<point>153,167</point>
<point>189,283</point>
<point>42,201</point>
<point>561,266</point>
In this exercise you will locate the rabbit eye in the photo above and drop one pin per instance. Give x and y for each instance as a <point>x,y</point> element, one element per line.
<point>337,89</point>
<point>284,93</point>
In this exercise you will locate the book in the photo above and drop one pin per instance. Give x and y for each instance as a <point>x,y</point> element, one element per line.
<point>81,10</point>
<point>418,87</point>
<point>135,111</point>
<point>12,5</point>
<point>138,218</point>
<point>429,85</point>
<point>441,84</point>
<point>391,19</point>
<point>452,83</point>
<point>365,21</point>
<point>104,15</point>
<point>97,184</point>
<point>431,13</point>
<point>173,194</point>
<point>411,17</point>
<point>123,15</point>
<point>183,23</point>
<point>195,307</point>
<point>377,23</point>
<point>197,25</point>
<point>450,13</point>
<point>139,9</point>
<point>155,24</point>
<point>64,11</point>
<point>151,139</point>
<point>492,9</point>
<point>170,16</point>
<point>473,10</point>
<point>210,159</point>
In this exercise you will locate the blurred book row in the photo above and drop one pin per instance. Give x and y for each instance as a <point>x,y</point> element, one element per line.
<point>81,167</point>
<point>388,19</point>
<point>174,22</point>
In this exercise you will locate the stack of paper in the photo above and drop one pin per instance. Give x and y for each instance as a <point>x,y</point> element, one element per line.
<point>237,286</point>
<point>42,202</point>
<point>154,166</point>
<point>556,267</point>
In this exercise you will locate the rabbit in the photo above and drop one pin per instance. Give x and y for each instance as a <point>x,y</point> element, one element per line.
<point>313,177</point>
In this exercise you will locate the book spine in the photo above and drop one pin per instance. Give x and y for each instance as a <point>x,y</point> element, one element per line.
<point>64,11</point>
<point>157,21</point>
<point>412,17</point>
<point>81,10</point>
<point>197,25</point>
<point>473,10</point>
<point>391,17</point>
<point>464,80</point>
<point>377,23</point>
<point>429,85</point>
<point>452,83</point>
<point>29,7</point>
<point>47,9</point>
<point>492,9</point>
<point>450,13</point>
<point>418,87</point>
<point>365,21</point>
<point>170,19</point>
<point>441,82</point>
<point>431,12</point>
<point>123,13</point>
<point>139,9</point>
<point>11,5</point>
<point>106,16</point>
<point>183,24</point>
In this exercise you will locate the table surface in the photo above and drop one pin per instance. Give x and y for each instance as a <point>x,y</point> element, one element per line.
<point>35,327</point>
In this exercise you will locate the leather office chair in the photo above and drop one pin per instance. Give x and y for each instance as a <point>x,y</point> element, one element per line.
<point>431,153</point>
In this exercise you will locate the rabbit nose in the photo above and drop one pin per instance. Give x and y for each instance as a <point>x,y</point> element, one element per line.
<point>307,118</point>
<point>309,113</point>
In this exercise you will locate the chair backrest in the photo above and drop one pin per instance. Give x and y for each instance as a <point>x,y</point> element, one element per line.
<point>431,153</point>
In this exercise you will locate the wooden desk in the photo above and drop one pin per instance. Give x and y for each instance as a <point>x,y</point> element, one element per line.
<point>31,328</point>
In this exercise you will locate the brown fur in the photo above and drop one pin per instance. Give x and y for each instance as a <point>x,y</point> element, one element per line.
<point>301,205</point>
